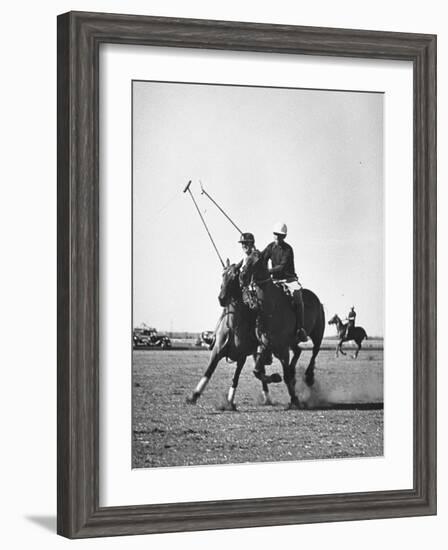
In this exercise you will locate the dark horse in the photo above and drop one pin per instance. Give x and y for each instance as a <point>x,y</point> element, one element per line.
<point>235,337</point>
<point>357,334</point>
<point>276,325</point>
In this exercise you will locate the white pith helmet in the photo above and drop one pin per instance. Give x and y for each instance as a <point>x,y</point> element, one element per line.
<point>280,228</point>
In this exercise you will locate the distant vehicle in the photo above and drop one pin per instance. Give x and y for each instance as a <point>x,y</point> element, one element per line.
<point>205,339</point>
<point>149,338</point>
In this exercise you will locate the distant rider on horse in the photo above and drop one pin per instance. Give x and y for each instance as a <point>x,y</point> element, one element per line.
<point>351,318</point>
<point>282,269</point>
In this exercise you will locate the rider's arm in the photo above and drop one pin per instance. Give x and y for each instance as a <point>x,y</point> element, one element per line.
<point>266,253</point>
<point>283,262</point>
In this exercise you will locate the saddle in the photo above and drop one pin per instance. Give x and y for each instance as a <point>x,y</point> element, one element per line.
<point>250,294</point>
<point>281,283</point>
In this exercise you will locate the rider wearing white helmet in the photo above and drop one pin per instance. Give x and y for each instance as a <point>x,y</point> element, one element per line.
<point>351,318</point>
<point>282,268</point>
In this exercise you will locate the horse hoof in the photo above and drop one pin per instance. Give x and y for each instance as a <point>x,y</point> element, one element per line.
<point>309,380</point>
<point>293,406</point>
<point>192,399</point>
<point>227,406</point>
<point>274,378</point>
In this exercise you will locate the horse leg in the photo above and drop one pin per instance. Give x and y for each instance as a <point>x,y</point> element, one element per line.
<point>265,387</point>
<point>290,381</point>
<point>340,347</point>
<point>265,393</point>
<point>357,351</point>
<point>297,351</point>
<point>259,370</point>
<point>215,357</point>
<point>309,373</point>
<point>235,379</point>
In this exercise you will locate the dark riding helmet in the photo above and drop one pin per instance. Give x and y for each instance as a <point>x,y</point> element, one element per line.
<point>247,238</point>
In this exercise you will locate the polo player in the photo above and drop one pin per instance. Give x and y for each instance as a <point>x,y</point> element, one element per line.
<point>282,269</point>
<point>247,241</point>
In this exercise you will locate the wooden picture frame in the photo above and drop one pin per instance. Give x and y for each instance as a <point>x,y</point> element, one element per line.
<point>79,38</point>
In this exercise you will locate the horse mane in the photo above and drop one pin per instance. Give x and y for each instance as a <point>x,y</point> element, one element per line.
<point>236,290</point>
<point>259,265</point>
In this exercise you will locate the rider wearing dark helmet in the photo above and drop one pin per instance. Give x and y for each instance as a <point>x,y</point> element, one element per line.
<point>282,268</point>
<point>247,241</point>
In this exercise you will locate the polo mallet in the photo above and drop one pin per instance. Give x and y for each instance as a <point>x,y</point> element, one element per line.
<point>204,192</point>
<point>187,188</point>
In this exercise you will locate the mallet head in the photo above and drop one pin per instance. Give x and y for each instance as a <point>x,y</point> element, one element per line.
<point>187,186</point>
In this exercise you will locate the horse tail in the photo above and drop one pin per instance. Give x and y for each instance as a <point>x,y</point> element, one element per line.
<point>322,313</point>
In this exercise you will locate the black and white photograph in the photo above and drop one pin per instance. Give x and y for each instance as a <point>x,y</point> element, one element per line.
<point>224,261</point>
<point>257,274</point>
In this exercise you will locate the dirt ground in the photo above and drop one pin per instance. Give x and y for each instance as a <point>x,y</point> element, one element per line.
<point>343,418</point>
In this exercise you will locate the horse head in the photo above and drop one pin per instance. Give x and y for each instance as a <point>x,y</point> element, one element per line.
<point>230,287</point>
<point>334,320</point>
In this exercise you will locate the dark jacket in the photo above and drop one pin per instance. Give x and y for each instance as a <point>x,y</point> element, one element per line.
<point>282,259</point>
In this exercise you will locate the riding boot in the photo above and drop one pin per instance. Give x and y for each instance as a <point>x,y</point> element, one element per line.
<point>301,334</point>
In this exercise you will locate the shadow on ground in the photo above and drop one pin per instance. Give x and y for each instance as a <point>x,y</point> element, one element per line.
<point>349,407</point>
<point>46,522</point>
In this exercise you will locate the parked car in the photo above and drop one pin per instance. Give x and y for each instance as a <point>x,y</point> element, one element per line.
<point>206,338</point>
<point>146,338</point>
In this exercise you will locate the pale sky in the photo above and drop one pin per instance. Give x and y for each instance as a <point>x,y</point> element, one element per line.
<point>311,159</point>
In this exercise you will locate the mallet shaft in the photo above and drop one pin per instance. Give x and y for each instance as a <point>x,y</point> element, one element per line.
<point>187,188</point>
<point>204,192</point>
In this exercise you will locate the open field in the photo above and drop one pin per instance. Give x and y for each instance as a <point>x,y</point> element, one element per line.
<point>327,344</point>
<point>344,417</point>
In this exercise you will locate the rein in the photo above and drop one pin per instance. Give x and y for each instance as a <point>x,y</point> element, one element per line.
<point>262,282</point>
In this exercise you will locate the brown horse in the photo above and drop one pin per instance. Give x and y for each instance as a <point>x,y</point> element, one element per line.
<point>276,325</point>
<point>357,334</point>
<point>235,337</point>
